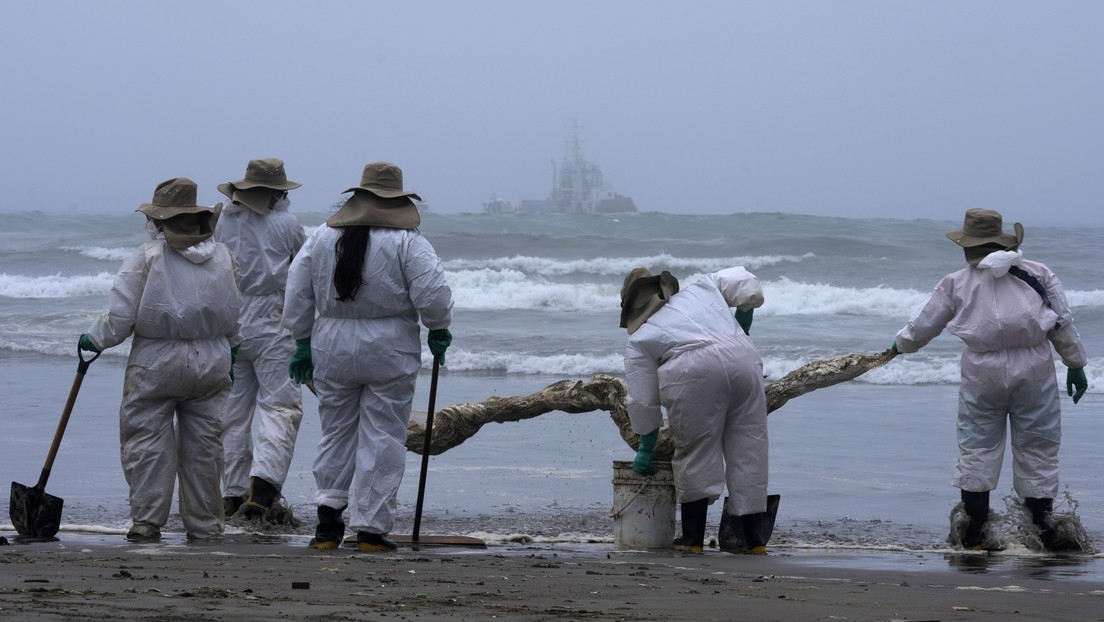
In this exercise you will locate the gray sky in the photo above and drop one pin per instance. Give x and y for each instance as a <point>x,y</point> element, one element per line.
<point>842,108</point>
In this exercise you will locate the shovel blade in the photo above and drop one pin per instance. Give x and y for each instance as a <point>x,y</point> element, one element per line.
<point>731,537</point>
<point>426,541</point>
<point>34,512</point>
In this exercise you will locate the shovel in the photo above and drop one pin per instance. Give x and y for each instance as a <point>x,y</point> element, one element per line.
<point>416,539</point>
<point>34,512</point>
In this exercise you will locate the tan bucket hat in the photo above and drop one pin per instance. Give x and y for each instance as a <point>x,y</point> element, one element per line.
<point>261,173</point>
<point>379,201</point>
<point>173,197</point>
<point>383,179</point>
<point>985,226</point>
<point>183,222</point>
<point>643,294</point>
<point>262,176</point>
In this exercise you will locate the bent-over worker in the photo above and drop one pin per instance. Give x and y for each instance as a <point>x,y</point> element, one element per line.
<point>686,353</point>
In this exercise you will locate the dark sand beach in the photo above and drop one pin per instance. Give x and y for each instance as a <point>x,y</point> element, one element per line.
<point>102,578</point>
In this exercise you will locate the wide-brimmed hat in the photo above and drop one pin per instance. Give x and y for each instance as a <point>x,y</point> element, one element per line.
<point>985,226</point>
<point>643,294</point>
<point>261,173</point>
<point>383,179</point>
<point>379,201</point>
<point>182,221</point>
<point>173,197</point>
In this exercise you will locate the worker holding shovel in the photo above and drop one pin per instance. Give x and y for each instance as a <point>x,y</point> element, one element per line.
<point>355,294</point>
<point>178,296</point>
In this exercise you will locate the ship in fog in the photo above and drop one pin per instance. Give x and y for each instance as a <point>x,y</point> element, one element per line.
<point>578,187</point>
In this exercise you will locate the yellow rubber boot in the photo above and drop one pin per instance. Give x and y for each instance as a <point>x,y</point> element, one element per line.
<point>694,514</point>
<point>374,542</point>
<point>330,529</point>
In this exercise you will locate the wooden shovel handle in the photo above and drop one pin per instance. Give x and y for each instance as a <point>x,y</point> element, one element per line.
<point>82,368</point>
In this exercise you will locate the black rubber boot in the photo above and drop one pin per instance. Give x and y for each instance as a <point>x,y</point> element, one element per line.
<point>753,533</point>
<point>976,505</point>
<point>1040,509</point>
<point>261,497</point>
<point>692,539</point>
<point>330,530</point>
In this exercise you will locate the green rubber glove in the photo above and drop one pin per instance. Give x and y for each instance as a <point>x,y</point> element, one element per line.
<point>643,462</point>
<point>439,341</point>
<point>301,367</point>
<point>743,318</point>
<point>233,359</point>
<point>86,344</point>
<point>1075,379</point>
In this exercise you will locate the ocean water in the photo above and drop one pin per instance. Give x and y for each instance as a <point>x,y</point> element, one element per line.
<point>864,465</point>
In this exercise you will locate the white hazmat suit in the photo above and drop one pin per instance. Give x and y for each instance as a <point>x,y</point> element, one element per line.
<point>264,246</point>
<point>1008,374</point>
<point>692,358</point>
<point>182,308</point>
<point>366,353</point>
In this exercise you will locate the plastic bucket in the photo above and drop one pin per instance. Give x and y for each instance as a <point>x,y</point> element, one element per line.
<point>643,508</point>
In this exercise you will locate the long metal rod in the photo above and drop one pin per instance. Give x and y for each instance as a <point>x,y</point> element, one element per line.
<point>425,449</point>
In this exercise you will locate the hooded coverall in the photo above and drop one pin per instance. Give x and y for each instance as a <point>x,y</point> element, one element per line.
<point>264,246</point>
<point>366,355</point>
<point>182,308</point>
<point>1008,374</point>
<point>691,358</point>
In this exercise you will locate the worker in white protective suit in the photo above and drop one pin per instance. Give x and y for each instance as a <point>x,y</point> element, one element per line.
<point>686,353</point>
<point>264,237</point>
<point>355,295</point>
<point>1008,311</point>
<point>178,296</point>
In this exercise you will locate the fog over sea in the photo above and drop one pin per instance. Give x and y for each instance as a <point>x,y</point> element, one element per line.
<point>865,465</point>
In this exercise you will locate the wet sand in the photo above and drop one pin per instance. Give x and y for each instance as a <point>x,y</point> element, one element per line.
<point>101,578</point>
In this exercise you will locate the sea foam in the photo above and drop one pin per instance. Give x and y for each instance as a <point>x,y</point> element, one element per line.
<point>100,252</point>
<point>619,266</point>
<point>55,286</point>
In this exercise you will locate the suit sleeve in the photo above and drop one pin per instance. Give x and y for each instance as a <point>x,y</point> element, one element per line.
<point>123,301</point>
<point>299,305</point>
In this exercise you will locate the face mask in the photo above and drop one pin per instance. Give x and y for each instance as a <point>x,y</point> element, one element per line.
<point>151,229</point>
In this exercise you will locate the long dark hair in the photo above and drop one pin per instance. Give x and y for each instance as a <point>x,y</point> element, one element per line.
<point>350,250</point>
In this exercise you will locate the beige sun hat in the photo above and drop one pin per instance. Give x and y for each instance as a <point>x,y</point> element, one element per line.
<point>262,176</point>
<point>985,226</point>
<point>183,221</point>
<point>642,294</point>
<point>379,200</point>
<point>173,197</point>
<point>261,173</point>
<point>383,179</point>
